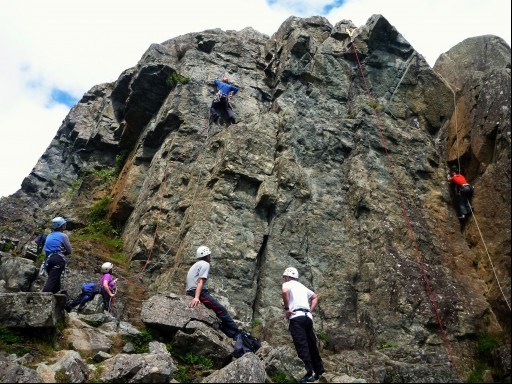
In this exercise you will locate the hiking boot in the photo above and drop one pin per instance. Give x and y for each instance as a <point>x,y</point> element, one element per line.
<point>320,373</point>
<point>307,378</point>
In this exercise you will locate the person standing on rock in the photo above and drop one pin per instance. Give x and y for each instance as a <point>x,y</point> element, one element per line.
<point>299,302</point>
<point>56,248</point>
<point>464,191</point>
<point>197,277</point>
<point>108,285</point>
<point>225,93</point>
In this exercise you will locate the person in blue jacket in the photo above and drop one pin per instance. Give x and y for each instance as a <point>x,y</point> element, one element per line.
<point>221,103</point>
<point>56,248</point>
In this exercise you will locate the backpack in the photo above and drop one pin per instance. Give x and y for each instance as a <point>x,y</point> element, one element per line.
<point>39,240</point>
<point>90,288</point>
<point>245,342</point>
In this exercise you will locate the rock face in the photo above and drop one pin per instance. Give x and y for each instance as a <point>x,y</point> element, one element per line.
<point>478,70</point>
<point>336,166</point>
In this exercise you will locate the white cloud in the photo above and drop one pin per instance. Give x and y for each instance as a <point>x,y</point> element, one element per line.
<point>73,46</point>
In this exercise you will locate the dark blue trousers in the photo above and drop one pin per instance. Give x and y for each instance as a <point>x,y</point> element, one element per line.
<point>227,325</point>
<point>56,265</point>
<point>81,300</point>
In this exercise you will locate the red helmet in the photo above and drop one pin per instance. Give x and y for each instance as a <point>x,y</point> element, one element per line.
<point>225,79</point>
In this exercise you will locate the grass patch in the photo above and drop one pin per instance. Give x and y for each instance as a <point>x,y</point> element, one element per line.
<point>190,366</point>
<point>386,345</point>
<point>281,377</point>
<point>120,161</point>
<point>100,209</point>
<point>487,344</point>
<point>141,342</point>
<point>181,375</point>
<point>23,341</point>
<point>322,336</point>
<point>62,377</point>
<point>175,78</point>
<point>7,246</point>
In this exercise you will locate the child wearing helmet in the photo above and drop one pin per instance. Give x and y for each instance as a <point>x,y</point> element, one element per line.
<point>108,285</point>
<point>56,247</point>
<point>299,302</point>
<point>225,93</point>
<point>196,287</point>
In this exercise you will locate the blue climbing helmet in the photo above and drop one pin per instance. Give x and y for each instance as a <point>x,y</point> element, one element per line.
<point>58,222</point>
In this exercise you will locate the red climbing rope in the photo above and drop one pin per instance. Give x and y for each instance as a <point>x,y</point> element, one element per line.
<point>406,215</point>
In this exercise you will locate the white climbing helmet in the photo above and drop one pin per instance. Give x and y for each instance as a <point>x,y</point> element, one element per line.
<point>58,222</point>
<point>291,272</point>
<point>106,267</point>
<point>202,251</point>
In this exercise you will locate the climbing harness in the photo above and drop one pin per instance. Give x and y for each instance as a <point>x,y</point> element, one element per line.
<point>405,213</point>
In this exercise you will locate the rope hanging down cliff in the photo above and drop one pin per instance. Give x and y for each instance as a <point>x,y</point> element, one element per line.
<point>404,210</point>
<point>470,206</point>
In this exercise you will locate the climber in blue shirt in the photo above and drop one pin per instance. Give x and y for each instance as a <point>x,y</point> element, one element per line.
<point>221,103</point>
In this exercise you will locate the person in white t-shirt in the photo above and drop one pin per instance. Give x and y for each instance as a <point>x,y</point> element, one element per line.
<point>299,302</point>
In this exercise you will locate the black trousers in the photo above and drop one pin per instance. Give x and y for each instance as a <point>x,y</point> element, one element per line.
<point>465,194</point>
<point>107,300</point>
<point>56,265</point>
<point>304,339</point>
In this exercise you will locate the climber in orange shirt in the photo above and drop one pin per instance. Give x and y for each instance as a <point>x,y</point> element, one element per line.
<point>464,191</point>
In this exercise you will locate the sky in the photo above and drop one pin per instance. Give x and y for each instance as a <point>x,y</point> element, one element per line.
<point>53,51</point>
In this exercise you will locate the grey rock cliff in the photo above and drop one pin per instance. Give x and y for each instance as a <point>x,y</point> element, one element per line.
<point>336,166</point>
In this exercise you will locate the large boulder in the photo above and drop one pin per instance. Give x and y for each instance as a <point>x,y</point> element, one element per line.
<point>247,369</point>
<point>31,309</point>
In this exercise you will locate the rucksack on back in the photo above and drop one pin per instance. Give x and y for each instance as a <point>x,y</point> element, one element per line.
<point>245,342</point>
<point>90,288</point>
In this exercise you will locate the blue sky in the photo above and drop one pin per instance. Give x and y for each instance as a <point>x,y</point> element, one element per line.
<point>58,96</point>
<point>53,51</point>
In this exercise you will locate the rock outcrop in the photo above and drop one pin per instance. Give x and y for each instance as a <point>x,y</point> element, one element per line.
<point>336,166</point>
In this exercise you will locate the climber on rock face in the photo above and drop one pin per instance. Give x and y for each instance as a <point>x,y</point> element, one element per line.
<point>221,103</point>
<point>464,191</point>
